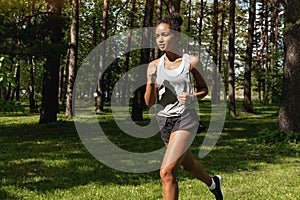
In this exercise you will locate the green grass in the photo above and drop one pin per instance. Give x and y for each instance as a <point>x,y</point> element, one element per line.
<point>50,162</point>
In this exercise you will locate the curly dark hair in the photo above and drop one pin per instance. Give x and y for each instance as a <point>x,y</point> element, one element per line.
<point>174,20</point>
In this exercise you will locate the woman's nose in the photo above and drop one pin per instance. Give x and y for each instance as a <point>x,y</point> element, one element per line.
<point>160,39</point>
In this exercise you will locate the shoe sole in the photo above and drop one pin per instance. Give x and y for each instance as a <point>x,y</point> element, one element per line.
<point>220,180</point>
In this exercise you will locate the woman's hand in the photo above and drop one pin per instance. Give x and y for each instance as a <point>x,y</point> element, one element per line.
<point>186,98</point>
<point>151,90</point>
<point>152,73</point>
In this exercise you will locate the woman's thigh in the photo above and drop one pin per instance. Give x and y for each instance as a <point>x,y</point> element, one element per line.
<point>177,147</point>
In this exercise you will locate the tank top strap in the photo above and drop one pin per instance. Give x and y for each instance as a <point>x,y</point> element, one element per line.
<point>161,62</point>
<point>186,61</point>
<point>160,70</point>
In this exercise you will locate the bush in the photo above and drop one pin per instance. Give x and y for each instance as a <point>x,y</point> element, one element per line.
<point>266,136</point>
<point>11,106</point>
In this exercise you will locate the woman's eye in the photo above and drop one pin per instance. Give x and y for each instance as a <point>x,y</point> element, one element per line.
<point>162,35</point>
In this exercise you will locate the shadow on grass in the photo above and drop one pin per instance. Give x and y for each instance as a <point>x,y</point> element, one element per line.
<point>48,157</point>
<point>238,150</point>
<point>6,195</point>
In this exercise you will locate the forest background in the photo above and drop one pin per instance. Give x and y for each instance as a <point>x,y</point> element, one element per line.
<point>43,44</point>
<point>254,45</point>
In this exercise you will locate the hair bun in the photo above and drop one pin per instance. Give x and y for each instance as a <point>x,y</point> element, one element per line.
<point>175,18</point>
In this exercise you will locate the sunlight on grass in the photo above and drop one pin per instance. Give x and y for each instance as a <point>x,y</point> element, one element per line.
<point>50,162</point>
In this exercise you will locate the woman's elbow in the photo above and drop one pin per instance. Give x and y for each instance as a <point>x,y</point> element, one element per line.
<point>148,102</point>
<point>205,92</point>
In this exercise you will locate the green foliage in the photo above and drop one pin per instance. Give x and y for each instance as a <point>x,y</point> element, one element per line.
<point>267,136</point>
<point>11,106</point>
<point>6,76</point>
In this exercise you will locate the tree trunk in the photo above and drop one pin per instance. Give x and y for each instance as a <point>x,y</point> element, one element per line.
<point>188,29</point>
<point>9,89</point>
<point>73,57</point>
<point>247,104</point>
<point>215,95</point>
<point>261,58</point>
<point>138,101</point>
<point>125,86</point>
<point>201,16</point>
<point>220,61</point>
<point>49,108</point>
<point>231,72</point>
<point>95,63</point>
<point>17,78</point>
<point>173,5</point>
<point>31,64</point>
<point>274,36</point>
<point>267,90</point>
<point>100,95</point>
<point>289,114</point>
<point>156,52</point>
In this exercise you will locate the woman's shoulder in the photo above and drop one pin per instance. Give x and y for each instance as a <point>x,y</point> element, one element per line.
<point>154,62</point>
<point>194,60</point>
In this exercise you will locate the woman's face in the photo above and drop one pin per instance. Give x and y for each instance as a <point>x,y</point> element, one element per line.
<point>165,38</point>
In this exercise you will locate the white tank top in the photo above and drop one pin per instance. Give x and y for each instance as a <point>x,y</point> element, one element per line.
<point>171,83</point>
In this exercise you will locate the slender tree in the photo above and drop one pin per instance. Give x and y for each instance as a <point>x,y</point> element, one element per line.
<point>261,49</point>
<point>189,18</point>
<point>138,101</point>
<point>17,80</point>
<point>289,114</point>
<point>247,104</point>
<point>222,27</point>
<point>127,57</point>
<point>173,5</point>
<point>31,85</point>
<point>73,56</point>
<point>215,97</point>
<point>49,108</point>
<point>231,71</point>
<point>100,100</point>
<point>156,52</point>
<point>201,16</point>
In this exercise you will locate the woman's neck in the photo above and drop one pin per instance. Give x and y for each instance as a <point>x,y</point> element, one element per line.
<point>173,56</point>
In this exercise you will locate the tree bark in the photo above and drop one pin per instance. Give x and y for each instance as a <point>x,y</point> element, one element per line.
<point>138,101</point>
<point>215,95</point>
<point>73,57</point>
<point>289,113</point>
<point>31,85</point>
<point>125,90</point>
<point>247,104</point>
<point>49,108</point>
<point>17,78</point>
<point>200,28</point>
<point>173,5</point>
<point>220,56</point>
<point>231,72</point>
<point>100,95</point>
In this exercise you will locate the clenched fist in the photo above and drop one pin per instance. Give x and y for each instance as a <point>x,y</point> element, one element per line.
<point>186,98</point>
<point>152,73</point>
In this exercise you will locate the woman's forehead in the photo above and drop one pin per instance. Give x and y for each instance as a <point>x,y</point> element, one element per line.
<point>162,27</point>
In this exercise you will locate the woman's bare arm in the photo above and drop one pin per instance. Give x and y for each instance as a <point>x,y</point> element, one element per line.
<point>151,90</point>
<point>196,70</point>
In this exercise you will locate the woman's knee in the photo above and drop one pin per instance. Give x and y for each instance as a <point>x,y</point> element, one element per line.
<point>167,175</point>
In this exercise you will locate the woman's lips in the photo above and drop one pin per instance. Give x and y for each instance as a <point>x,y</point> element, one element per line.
<point>161,46</point>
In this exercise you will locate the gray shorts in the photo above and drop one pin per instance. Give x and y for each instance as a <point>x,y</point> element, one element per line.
<point>189,121</point>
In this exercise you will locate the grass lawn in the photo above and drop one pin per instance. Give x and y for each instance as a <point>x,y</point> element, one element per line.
<point>50,162</point>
